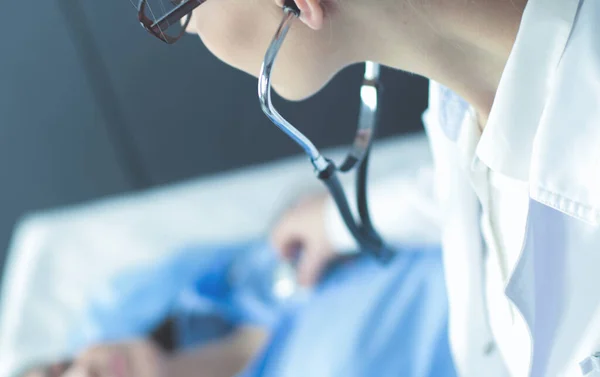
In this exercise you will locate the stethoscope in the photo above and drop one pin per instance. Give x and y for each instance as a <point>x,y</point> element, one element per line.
<point>361,227</point>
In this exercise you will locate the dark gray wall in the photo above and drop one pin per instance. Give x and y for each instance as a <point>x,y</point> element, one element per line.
<point>92,106</point>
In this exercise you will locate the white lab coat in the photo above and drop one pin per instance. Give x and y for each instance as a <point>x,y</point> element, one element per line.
<point>543,134</point>
<point>544,130</point>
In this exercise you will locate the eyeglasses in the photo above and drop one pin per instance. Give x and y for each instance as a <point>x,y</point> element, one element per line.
<point>158,25</point>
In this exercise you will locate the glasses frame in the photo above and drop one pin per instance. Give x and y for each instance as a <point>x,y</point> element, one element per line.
<point>158,28</point>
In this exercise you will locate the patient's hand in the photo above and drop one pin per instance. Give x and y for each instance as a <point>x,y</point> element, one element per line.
<point>300,233</point>
<point>137,358</point>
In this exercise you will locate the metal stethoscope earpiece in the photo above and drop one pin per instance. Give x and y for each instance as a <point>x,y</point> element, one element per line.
<point>362,229</point>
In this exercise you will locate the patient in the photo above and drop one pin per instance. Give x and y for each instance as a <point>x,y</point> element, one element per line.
<point>361,319</point>
<point>147,358</point>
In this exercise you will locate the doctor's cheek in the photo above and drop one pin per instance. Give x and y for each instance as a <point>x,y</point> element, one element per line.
<point>239,39</point>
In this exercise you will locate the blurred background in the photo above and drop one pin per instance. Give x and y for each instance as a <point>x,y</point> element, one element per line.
<point>91,107</point>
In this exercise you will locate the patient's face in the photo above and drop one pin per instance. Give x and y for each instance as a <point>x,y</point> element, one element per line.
<point>136,358</point>
<point>52,370</point>
<point>239,32</point>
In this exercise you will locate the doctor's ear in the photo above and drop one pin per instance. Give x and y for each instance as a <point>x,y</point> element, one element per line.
<point>311,12</point>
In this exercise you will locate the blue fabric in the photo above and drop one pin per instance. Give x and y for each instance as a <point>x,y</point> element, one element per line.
<point>241,292</point>
<point>367,320</point>
<point>136,302</point>
<point>363,319</point>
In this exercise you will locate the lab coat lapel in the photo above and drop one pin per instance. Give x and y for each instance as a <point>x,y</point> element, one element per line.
<point>472,343</point>
<point>563,236</point>
<point>544,128</point>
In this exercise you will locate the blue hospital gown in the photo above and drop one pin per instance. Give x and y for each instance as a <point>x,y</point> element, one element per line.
<point>364,319</point>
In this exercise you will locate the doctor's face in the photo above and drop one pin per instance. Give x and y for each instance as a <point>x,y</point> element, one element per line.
<point>239,31</point>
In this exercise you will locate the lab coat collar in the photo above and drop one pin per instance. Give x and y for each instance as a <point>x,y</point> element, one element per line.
<point>507,143</point>
<point>540,129</point>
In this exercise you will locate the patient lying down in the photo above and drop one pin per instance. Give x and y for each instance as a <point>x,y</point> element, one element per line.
<point>361,319</point>
<point>147,358</point>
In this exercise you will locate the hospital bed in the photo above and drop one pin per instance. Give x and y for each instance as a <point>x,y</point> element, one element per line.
<point>57,257</point>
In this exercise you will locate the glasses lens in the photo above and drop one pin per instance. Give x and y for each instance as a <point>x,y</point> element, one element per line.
<point>166,19</point>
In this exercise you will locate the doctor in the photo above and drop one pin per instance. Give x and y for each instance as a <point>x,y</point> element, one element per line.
<point>514,124</point>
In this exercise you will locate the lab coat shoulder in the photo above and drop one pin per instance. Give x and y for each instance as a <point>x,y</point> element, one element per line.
<point>555,281</point>
<point>565,160</point>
